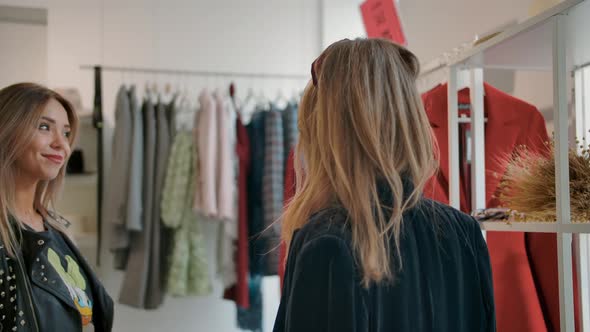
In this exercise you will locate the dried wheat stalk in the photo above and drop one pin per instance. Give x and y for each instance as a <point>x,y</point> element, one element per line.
<point>528,186</point>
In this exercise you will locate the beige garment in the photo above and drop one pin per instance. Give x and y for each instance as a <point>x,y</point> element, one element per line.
<point>226,176</point>
<point>205,201</point>
<point>227,194</point>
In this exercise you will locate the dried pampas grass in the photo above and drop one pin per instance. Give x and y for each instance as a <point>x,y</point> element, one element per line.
<point>528,186</point>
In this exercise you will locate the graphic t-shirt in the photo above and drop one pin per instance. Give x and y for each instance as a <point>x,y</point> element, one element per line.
<point>61,258</point>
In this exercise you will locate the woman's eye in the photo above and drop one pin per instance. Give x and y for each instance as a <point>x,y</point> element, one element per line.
<point>67,134</point>
<point>43,126</point>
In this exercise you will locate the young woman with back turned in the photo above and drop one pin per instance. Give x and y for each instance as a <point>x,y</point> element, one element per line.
<point>367,252</point>
<point>45,283</point>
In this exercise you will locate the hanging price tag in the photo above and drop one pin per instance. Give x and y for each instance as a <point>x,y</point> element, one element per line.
<point>382,21</point>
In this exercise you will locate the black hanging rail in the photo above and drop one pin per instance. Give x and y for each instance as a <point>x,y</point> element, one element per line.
<point>198,72</point>
<point>97,122</point>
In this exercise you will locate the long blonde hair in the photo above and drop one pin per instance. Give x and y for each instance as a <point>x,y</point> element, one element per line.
<point>362,122</point>
<point>21,106</point>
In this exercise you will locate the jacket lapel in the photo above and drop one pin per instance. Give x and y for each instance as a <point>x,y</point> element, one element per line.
<point>45,277</point>
<point>42,273</point>
<point>500,137</point>
<point>435,104</point>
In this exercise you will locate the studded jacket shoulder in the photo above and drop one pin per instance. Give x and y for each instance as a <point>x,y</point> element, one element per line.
<point>17,312</point>
<point>29,287</point>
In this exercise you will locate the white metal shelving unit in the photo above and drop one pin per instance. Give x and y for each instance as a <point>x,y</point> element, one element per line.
<point>557,41</point>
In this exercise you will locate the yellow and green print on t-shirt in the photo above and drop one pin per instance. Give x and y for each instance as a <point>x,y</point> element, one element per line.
<point>75,282</point>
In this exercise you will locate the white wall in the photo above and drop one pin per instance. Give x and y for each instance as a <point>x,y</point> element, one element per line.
<point>25,3</point>
<point>24,53</point>
<point>73,38</point>
<point>341,19</point>
<point>433,27</point>
<point>226,35</point>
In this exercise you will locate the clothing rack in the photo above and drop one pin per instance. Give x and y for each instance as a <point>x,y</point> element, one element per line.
<point>433,66</point>
<point>97,112</point>
<point>197,72</point>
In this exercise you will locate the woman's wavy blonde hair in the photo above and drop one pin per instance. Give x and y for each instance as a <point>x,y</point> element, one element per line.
<point>21,106</point>
<point>361,122</point>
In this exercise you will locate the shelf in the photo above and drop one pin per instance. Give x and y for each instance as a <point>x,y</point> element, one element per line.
<point>534,227</point>
<point>84,178</point>
<point>526,46</point>
<point>85,114</point>
<point>85,240</point>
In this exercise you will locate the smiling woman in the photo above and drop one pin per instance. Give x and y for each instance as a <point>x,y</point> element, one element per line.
<point>57,291</point>
<point>45,155</point>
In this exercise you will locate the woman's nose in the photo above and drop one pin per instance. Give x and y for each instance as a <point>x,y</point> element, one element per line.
<point>60,141</point>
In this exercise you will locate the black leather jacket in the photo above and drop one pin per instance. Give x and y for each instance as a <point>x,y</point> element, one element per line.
<point>27,274</point>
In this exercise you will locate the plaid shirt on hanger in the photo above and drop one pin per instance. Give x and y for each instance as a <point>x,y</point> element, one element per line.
<point>272,184</point>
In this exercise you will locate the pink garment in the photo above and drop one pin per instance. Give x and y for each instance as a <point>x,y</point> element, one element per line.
<point>206,137</point>
<point>226,180</point>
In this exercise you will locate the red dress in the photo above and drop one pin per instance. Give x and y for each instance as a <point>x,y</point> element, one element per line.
<point>240,291</point>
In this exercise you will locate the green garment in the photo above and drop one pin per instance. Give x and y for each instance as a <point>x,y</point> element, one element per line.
<point>189,273</point>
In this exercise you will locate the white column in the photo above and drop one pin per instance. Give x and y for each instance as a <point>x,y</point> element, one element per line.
<point>453,112</point>
<point>564,241</point>
<point>478,156</point>
<point>478,167</point>
<point>581,241</point>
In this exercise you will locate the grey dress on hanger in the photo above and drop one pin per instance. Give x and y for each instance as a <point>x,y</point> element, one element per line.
<point>155,293</point>
<point>116,197</point>
<point>134,199</point>
<point>134,288</point>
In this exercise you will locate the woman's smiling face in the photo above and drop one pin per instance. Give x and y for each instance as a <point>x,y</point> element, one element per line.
<point>49,148</point>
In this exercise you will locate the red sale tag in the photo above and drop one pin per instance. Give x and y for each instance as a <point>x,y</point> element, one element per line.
<point>382,21</point>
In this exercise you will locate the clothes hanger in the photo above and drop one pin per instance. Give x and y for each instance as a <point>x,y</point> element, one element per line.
<point>281,101</point>
<point>249,106</point>
<point>185,115</point>
<point>156,93</point>
<point>185,88</point>
<point>123,79</point>
<point>148,91</point>
<point>188,118</point>
<point>262,102</point>
<point>296,97</point>
<point>233,98</point>
<point>249,97</point>
<point>463,82</point>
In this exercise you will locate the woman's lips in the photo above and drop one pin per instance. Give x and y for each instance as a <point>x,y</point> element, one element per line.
<point>55,158</point>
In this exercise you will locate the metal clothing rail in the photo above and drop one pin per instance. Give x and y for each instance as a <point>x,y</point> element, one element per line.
<point>582,66</point>
<point>197,72</point>
<point>97,114</point>
<point>433,66</point>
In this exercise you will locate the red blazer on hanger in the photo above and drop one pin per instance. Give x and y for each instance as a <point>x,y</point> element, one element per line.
<point>524,266</point>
